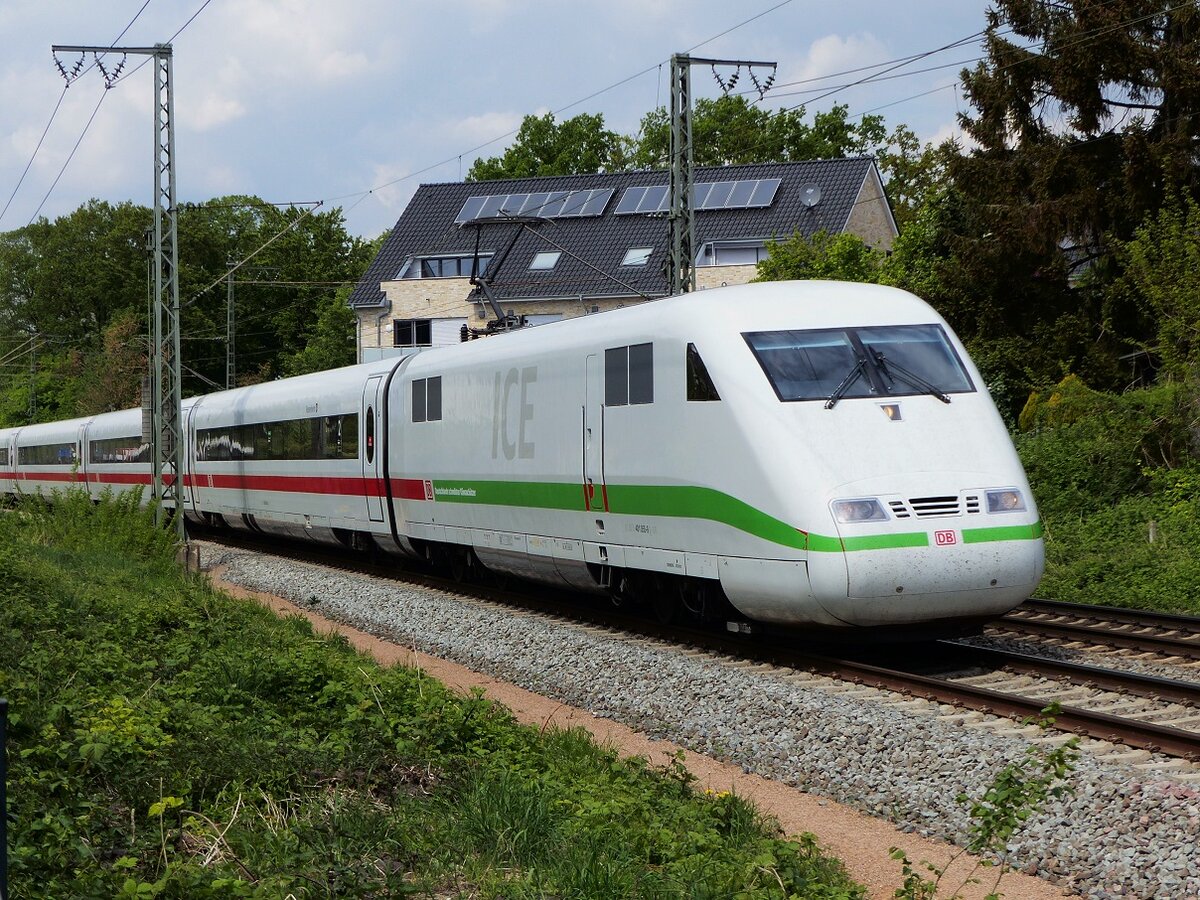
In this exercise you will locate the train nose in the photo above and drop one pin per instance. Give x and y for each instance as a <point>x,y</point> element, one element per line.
<point>928,565</point>
<point>895,585</point>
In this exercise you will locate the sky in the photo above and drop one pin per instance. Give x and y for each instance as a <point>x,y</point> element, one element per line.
<point>357,102</point>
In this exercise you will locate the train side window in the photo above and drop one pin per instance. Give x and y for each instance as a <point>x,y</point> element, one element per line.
<point>319,437</point>
<point>616,376</point>
<point>641,373</point>
<point>427,399</point>
<point>4,456</point>
<point>119,450</point>
<point>629,375</point>
<point>419,412</point>
<point>433,405</point>
<point>699,383</point>
<point>46,455</point>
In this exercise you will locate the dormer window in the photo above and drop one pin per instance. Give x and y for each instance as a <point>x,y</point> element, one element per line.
<point>458,266</point>
<point>547,259</point>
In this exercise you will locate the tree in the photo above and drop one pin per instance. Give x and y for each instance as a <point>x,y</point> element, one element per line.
<point>79,283</point>
<point>730,131</point>
<point>1087,116</point>
<point>839,257</point>
<point>579,145</point>
<point>331,343</point>
<point>1162,267</point>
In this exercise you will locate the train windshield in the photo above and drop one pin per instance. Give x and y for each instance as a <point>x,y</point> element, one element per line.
<point>890,360</point>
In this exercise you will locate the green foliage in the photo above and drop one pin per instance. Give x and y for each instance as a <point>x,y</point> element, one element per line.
<point>1118,487</point>
<point>731,130</point>
<point>1162,269</point>
<point>167,741</point>
<point>332,342</point>
<point>79,285</point>
<point>1086,450</point>
<point>575,146</point>
<point>841,257</point>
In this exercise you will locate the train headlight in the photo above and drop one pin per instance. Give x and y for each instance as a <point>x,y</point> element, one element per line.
<point>1010,500</point>
<point>864,510</point>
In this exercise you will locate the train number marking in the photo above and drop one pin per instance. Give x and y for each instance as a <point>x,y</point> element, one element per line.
<point>945,538</point>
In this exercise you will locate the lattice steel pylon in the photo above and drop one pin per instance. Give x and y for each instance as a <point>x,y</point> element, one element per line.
<point>166,417</point>
<point>682,217</point>
<point>681,249</point>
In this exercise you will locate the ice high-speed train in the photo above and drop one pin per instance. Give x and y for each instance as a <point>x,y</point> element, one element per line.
<point>818,453</point>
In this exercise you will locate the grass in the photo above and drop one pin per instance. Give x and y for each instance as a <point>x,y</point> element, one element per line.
<point>168,741</point>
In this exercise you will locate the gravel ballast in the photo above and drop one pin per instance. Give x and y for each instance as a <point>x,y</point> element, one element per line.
<point>1122,832</point>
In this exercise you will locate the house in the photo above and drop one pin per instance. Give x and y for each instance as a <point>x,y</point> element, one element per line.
<point>598,242</point>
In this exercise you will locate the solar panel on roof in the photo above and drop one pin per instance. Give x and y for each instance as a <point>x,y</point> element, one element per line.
<point>597,201</point>
<point>764,191</point>
<point>548,204</point>
<point>746,194</point>
<point>630,200</point>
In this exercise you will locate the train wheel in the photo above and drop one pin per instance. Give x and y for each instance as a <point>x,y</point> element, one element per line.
<point>461,563</point>
<point>664,600</point>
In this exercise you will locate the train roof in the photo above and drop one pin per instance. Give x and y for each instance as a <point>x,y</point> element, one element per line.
<point>764,306</point>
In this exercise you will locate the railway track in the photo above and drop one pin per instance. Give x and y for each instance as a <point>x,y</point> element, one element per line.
<point>1152,714</point>
<point>1172,636</point>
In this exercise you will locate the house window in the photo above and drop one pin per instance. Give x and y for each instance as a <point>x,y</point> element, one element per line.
<point>547,259</point>
<point>427,399</point>
<point>699,383</point>
<point>638,256</point>
<point>412,333</point>
<point>458,266</point>
<point>629,375</point>
<point>732,253</point>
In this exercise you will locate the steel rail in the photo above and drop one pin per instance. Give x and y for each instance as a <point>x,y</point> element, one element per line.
<point>1150,687</point>
<point>1112,614</point>
<point>1171,646</point>
<point>1102,726</point>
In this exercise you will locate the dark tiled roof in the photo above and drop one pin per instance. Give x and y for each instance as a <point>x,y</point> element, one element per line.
<point>426,228</point>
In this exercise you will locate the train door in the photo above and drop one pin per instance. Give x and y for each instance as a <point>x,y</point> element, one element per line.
<point>81,457</point>
<point>595,493</point>
<point>189,445</point>
<point>371,454</point>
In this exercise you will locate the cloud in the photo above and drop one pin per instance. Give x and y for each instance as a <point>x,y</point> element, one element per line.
<point>826,57</point>
<point>474,130</point>
<point>213,110</point>
<point>398,190</point>
<point>953,130</point>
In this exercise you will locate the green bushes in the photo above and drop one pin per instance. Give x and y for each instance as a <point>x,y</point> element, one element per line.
<point>1118,485</point>
<point>167,741</point>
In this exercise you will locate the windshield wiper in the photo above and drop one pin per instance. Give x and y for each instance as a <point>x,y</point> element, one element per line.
<point>860,368</point>
<point>912,378</point>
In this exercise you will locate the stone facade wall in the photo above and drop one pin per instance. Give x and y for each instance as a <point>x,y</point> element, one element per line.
<point>719,276</point>
<point>871,218</point>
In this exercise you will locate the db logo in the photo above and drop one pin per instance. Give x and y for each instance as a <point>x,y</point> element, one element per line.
<point>945,538</point>
<point>429,491</point>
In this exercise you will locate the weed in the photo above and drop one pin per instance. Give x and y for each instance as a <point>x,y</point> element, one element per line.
<point>1017,792</point>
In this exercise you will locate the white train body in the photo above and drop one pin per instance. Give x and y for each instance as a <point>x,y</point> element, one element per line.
<point>812,493</point>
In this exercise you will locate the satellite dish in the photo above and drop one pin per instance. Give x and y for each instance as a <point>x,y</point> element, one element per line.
<point>810,195</point>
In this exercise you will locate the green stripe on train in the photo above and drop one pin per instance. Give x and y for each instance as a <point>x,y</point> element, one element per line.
<point>1002,533</point>
<point>690,502</point>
